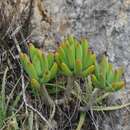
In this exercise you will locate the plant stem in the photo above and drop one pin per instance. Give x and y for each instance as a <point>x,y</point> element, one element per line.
<point>46,95</point>
<point>69,87</point>
<point>50,102</point>
<point>81,120</point>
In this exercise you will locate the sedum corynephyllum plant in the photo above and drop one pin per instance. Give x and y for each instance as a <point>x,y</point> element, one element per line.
<point>74,58</point>
<point>106,78</point>
<point>39,66</point>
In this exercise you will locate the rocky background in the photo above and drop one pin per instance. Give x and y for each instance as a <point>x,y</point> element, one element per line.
<point>106,24</point>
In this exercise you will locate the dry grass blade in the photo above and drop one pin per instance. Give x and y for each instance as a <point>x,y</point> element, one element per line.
<point>110,108</point>
<point>38,113</point>
<point>3,89</point>
<point>3,107</point>
<point>30,120</point>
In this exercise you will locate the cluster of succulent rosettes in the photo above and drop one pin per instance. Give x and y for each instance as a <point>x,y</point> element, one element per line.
<point>39,66</point>
<point>106,78</point>
<point>74,58</point>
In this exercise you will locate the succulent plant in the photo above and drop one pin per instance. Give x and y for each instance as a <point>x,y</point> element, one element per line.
<point>105,77</point>
<point>39,66</point>
<point>75,58</point>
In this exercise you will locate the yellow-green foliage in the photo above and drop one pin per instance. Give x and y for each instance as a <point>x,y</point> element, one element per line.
<point>106,77</point>
<point>39,66</point>
<point>72,58</point>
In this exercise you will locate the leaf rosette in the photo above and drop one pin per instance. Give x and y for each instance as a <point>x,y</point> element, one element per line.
<point>40,67</point>
<point>75,58</point>
<point>105,77</point>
